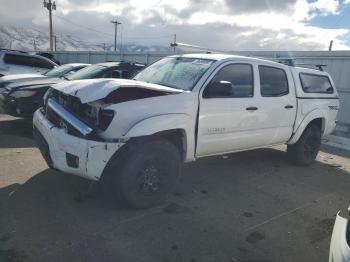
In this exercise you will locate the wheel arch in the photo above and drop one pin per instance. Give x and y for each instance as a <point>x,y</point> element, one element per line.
<point>175,128</point>
<point>312,119</point>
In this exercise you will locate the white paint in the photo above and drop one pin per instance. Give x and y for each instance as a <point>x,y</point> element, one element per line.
<point>339,250</point>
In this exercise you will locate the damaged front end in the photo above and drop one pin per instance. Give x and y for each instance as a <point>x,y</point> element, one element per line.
<point>82,120</point>
<point>88,101</point>
<point>68,127</point>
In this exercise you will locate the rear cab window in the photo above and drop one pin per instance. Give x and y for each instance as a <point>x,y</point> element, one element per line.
<point>273,81</point>
<point>313,83</point>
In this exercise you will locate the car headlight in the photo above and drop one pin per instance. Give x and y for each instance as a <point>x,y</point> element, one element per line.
<point>23,93</point>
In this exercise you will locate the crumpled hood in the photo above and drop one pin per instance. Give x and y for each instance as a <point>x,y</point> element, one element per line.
<point>19,76</point>
<point>90,90</point>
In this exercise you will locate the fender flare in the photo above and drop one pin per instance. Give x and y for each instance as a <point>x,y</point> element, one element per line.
<point>314,114</point>
<point>155,124</point>
<point>166,122</point>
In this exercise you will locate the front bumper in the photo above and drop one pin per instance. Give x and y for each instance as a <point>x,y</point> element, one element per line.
<point>339,248</point>
<point>56,145</point>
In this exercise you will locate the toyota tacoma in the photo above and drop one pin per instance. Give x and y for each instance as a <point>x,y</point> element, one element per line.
<point>136,134</point>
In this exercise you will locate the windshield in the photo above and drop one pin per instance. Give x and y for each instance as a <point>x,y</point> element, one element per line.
<point>59,71</point>
<point>87,72</point>
<point>177,72</point>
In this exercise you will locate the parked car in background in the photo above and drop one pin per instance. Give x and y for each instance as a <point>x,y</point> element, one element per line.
<point>135,134</point>
<point>23,98</point>
<point>339,250</point>
<point>18,62</point>
<point>59,71</point>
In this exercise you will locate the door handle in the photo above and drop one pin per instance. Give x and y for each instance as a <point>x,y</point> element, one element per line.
<point>289,106</point>
<point>251,108</point>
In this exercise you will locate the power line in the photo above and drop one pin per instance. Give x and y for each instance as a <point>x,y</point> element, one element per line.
<point>149,37</point>
<point>111,35</point>
<point>82,26</point>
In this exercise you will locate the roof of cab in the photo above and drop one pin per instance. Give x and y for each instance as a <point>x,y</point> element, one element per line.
<point>298,69</point>
<point>218,57</point>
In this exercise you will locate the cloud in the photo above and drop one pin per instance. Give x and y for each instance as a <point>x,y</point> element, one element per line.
<point>218,24</point>
<point>257,6</point>
<point>326,7</point>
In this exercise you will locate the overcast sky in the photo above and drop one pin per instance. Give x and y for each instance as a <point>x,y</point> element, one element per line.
<point>218,24</point>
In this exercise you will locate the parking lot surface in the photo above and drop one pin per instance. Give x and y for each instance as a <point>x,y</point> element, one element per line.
<point>250,206</point>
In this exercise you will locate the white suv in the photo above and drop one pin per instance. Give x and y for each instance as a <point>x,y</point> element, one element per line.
<point>18,62</point>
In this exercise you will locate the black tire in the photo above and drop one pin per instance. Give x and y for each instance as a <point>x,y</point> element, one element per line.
<point>304,152</point>
<point>145,172</point>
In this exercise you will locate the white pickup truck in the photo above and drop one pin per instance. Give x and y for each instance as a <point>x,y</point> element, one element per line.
<point>136,134</point>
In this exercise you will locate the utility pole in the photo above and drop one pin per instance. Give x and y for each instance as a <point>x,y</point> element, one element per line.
<point>50,6</point>
<point>116,23</point>
<point>55,42</point>
<point>330,46</point>
<point>174,43</point>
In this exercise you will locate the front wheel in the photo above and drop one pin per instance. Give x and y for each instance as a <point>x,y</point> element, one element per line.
<point>304,151</point>
<point>146,172</point>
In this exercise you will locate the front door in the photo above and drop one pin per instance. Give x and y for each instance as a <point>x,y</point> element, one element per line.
<point>228,121</point>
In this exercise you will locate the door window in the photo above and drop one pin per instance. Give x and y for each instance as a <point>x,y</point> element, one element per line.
<point>273,81</point>
<point>239,75</point>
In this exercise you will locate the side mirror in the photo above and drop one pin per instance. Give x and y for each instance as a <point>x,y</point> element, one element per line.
<point>219,89</point>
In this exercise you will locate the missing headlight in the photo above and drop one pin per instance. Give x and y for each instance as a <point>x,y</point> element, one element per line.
<point>105,118</point>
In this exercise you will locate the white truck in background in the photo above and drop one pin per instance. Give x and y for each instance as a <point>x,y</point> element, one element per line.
<point>136,134</point>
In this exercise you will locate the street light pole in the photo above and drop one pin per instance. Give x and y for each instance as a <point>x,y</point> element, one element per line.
<point>116,23</point>
<point>50,6</point>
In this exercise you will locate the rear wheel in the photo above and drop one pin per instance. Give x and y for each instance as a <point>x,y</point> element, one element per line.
<point>145,172</point>
<point>304,151</point>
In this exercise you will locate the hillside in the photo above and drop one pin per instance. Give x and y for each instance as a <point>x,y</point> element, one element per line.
<point>26,39</point>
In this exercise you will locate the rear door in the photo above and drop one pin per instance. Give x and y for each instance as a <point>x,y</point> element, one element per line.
<point>276,103</point>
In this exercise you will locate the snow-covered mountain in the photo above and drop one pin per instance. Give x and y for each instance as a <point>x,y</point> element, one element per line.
<point>26,39</point>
